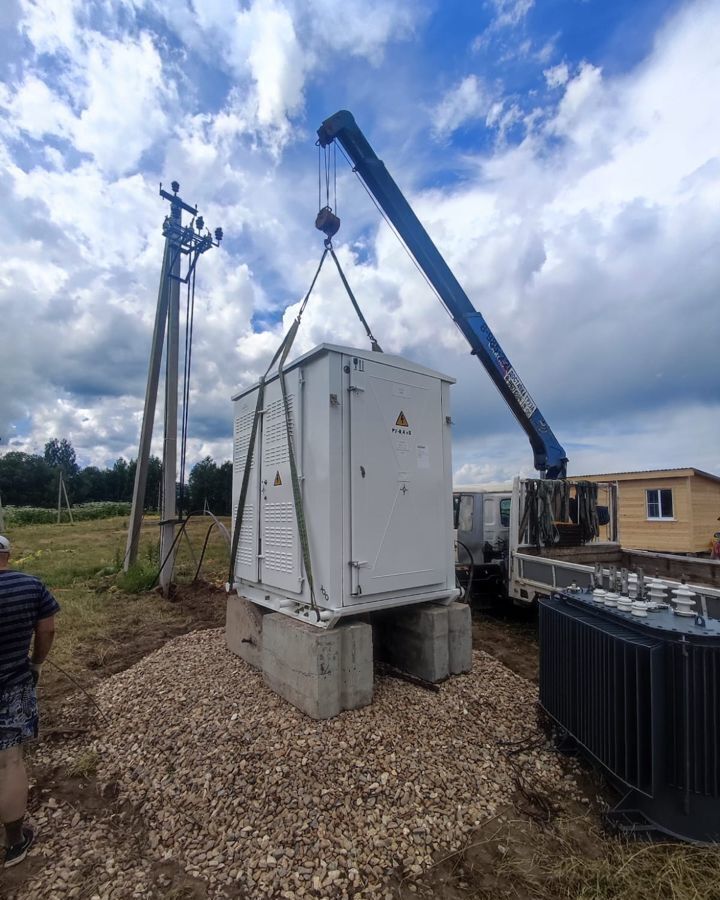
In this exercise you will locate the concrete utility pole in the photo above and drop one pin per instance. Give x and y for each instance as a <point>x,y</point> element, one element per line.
<point>179,241</point>
<point>168,512</point>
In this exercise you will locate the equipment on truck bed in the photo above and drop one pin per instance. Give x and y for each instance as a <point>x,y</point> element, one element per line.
<point>549,456</point>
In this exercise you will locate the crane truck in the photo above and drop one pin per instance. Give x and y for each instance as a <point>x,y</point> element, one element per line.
<point>545,533</point>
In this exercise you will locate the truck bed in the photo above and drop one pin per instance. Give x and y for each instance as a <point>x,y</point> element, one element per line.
<point>608,553</point>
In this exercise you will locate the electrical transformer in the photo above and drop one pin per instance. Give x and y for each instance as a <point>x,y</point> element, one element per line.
<point>371,438</point>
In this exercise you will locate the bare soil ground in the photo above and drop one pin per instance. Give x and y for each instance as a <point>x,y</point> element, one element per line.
<point>201,605</point>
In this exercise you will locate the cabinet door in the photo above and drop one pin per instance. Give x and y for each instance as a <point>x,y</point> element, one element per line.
<point>280,553</point>
<point>246,563</point>
<point>398,507</point>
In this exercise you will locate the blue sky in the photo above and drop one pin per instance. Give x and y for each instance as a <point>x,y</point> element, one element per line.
<point>564,155</point>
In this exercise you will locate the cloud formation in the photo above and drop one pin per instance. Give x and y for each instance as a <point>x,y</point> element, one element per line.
<point>579,215</point>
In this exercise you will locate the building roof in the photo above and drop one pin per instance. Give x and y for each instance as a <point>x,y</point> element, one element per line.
<point>647,474</point>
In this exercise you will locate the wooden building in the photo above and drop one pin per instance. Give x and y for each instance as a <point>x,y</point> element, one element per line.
<point>667,510</point>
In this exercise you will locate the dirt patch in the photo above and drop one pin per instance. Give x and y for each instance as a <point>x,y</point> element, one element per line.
<point>508,856</point>
<point>170,881</point>
<point>200,605</point>
<point>511,638</point>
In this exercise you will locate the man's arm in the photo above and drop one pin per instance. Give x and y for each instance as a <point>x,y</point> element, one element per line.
<point>44,637</point>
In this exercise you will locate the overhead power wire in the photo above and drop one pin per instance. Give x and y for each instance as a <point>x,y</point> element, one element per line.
<point>189,323</point>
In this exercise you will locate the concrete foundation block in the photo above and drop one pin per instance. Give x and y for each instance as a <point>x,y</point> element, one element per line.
<point>321,672</point>
<point>416,640</point>
<point>357,665</point>
<point>244,629</point>
<point>459,638</point>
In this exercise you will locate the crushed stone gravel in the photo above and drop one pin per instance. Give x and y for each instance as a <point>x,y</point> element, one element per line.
<point>220,779</point>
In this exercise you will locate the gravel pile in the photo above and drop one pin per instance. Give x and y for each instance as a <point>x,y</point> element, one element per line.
<point>239,790</point>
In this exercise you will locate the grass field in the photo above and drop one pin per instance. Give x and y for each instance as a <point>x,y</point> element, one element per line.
<point>82,565</point>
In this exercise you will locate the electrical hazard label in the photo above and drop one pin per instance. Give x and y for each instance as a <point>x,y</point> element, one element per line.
<point>278,480</point>
<point>401,426</point>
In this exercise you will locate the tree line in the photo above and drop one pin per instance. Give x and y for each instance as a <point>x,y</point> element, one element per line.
<point>30,479</point>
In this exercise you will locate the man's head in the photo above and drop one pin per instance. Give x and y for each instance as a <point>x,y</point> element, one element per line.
<point>4,551</point>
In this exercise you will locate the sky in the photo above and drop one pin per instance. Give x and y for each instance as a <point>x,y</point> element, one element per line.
<point>564,155</point>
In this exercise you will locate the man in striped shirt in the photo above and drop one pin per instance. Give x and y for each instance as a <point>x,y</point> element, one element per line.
<point>27,610</point>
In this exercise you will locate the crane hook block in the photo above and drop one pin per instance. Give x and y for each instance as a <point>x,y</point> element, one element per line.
<point>327,222</point>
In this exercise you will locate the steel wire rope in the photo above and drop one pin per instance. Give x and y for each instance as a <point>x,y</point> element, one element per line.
<point>189,325</point>
<point>327,166</point>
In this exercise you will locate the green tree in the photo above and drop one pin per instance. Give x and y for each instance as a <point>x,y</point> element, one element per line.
<point>120,480</point>
<point>27,480</point>
<point>211,483</point>
<point>61,455</point>
<point>202,483</point>
<point>224,497</point>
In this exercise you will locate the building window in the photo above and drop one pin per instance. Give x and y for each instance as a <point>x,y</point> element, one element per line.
<point>659,504</point>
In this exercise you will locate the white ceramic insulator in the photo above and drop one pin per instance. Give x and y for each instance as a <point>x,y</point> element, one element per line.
<point>640,608</point>
<point>611,599</point>
<point>658,592</point>
<point>684,601</point>
<point>624,604</point>
<point>599,595</point>
<point>632,585</point>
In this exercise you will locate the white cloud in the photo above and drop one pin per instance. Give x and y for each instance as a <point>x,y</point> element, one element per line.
<point>123,92</point>
<point>359,28</point>
<point>51,25</point>
<point>264,36</point>
<point>509,13</point>
<point>588,246</point>
<point>466,101</point>
<point>557,76</point>
<point>274,48</point>
<point>35,109</point>
<point>116,97</point>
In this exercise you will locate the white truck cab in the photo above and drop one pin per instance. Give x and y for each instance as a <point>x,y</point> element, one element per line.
<point>482,522</point>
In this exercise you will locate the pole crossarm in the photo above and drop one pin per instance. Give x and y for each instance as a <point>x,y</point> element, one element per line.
<point>185,239</point>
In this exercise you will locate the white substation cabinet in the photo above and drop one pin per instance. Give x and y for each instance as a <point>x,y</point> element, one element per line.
<point>371,434</point>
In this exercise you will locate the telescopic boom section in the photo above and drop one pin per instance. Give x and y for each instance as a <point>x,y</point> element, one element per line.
<point>549,456</point>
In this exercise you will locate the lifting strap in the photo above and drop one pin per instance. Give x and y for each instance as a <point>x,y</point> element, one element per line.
<point>297,495</point>
<point>373,343</point>
<point>280,354</point>
<point>280,357</point>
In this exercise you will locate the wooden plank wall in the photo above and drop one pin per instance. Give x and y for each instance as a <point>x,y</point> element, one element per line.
<point>640,533</point>
<point>696,508</point>
<point>706,509</point>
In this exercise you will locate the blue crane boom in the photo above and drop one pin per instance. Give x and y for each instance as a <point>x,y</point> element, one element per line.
<point>549,456</point>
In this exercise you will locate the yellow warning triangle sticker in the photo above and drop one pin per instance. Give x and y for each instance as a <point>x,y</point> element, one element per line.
<point>402,421</point>
<point>278,479</point>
